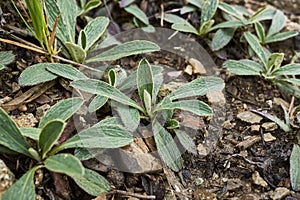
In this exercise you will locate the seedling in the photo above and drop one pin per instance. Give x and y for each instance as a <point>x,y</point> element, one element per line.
<point>268,67</point>
<point>47,149</point>
<point>158,114</point>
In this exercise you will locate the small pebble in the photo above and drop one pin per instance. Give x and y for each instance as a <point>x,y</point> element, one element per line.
<point>280,193</point>
<point>269,126</point>
<point>255,128</point>
<point>249,117</point>
<point>258,180</point>
<point>268,137</point>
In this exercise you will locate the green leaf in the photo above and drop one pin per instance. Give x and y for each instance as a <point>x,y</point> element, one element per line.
<point>147,102</point>
<point>92,182</point>
<point>66,71</point>
<point>231,10</point>
<point>145,80</point>
<point>295,167</point>
<point>35,9</point>
<point>257,48</point>
<point>94,30</point>
<point>172,124</point>
<point>289,69</point>
<point>6,57</point>
<point>89,6</point>
<point>260,32</point>
<point>186,141</point>
<point>53,11</point>
<point>227,24</point>
<point>198,87</point>
<point>274,61</point>
<point>62,110</point>
<point>244,67</point>
<point>262,14</point>
<point>197,3</point>
<point>64,163</point>
<point>28,77</point>
<point>10,135</point>
<point>194,106</point>
<point>82,39</point>
<point>288,88</point>
<point>291,80</point>
<point>24,188</point>
<point>69,13</point>
<point>130,81</point>
<point>185,27</point>
<point>205,27</point>
<point>112,77</point>
<point>86,154</point>
<point>187,9</point>
<point>50,133</point>
<point>97,103</point>
<point>109,121</point>
<point>126,49</point>
<point>32,133</point>
<point>167,147</point>
<point>278,22</point>
<point>281,36</point>
<point>6,150</point>
<point>275,119</point>
<point>222,38</point>
<point>138,13</point>
<point>100,136</point>
<point>106,90</point>
<point>208,10</point>
<point>130,117</point>
<point>78,54</point>
<point>171,18</point>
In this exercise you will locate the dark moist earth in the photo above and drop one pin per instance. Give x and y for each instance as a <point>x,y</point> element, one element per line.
<point>242,165</point>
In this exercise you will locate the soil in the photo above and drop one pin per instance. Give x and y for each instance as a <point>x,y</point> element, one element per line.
<point>241,165</point>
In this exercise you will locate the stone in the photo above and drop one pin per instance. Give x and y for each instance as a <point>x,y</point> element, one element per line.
<point>280,193</point>
<point>228,125</point>
<point>255,128</point>
<point>189,70</point>
<point>216,98</point>
<point>269,126</point>
<point>40,111</point>
<point>26,120</point>
<point>197,66</point>
<point>7,178</point>
<point>249,117</point>
<point>258,180</point>
<point>268,137</point>
<point>202,150</point>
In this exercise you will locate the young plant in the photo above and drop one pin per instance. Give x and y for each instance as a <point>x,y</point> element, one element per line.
<point>140,19</point>
<point>6,57</point>
<point>46,150</point>
<point>269,67</point>
<point>291,124</point>
<point>274,35</point>
<point>159,114</point>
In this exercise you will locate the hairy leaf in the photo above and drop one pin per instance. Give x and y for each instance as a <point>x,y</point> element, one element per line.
<point>126,49</point>
<point>64,163</point>
<point>171,18</point>
<point>94,30</point>
<point>244,67</point>
<point>231,10</point>
<point>185,27</point>
<point>97,102</point>
<point>261,15</point>
<point>50,133</point>
<point>167,147</point>
<point>227,24</point>
<point>208,10</point>
<point>289,69</point>
<point>92,182</point>
<point>257,48</point>
<point>32,133</point>
<point>104,89</point>
<point>295,167</point>
<point>281,36</point>
<point>222,38</point>
<point>10,135</point>
<point>86,7</point>
<point>66,71</point>
<point>138,13</point>
<point>186,141</point>
<point>24,188</point>
<point>278,22</point>
<point>145,80</point>
<point>198,87</point>
<point>6,57</point>
<point>100,136</point>
<point>77,53</point>
<point>130,117</point>
<point>260,31</point>
<point>29,76</point>
<point>62,110</point>
<point>194,106</point>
